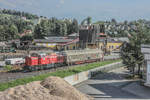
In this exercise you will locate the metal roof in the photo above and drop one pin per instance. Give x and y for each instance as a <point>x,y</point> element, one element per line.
<point>52,40</point>
<point>109,40</point>
<point>54,37</point>
<point>74,34</point>
<point>124,39</point>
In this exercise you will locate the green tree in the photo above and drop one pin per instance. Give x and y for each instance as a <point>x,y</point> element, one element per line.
<point>64,29</point>
<point>75,27</point>
<point>89,20</point>
<point>13,32</point>
<point>113,21</point>
<point>27,38</point>
<point>131,52</point>
<point>2,33</point>
<point>38,32</point>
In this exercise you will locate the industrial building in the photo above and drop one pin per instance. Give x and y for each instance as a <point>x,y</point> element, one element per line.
<point>88,35</point>
<point>57,43</point>
<point>93,36</point>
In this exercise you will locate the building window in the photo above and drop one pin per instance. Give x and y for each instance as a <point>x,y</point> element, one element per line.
<point>112,47</point>
<point>67,48</point>
<point>109,47</point>
<point>74,47</point>
<point>117,47</point>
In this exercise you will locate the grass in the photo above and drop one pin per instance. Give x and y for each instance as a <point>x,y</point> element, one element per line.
<point>62,74</point>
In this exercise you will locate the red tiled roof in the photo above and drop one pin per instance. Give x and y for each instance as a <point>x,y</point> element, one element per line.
<point>101,34</point>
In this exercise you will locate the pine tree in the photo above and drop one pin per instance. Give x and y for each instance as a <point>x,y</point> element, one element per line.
<point>131,52</point>
<point>75,26</point>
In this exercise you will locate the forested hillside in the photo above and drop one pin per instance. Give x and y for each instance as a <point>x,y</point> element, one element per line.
<point>18,13</point>
<point>14,23</point>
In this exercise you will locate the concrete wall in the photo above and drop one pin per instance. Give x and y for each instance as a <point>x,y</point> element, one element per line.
<point>83,76</point>
<point>110,57</point>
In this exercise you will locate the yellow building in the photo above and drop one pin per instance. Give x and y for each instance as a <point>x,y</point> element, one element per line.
<point>111,45</point>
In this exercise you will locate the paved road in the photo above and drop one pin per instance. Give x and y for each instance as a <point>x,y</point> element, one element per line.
<point>109,86</point>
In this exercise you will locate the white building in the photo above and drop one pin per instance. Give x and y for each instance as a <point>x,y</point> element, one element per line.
<point>145,49</point>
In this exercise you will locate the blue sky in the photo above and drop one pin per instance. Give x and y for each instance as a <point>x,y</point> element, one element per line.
<point>79,9</point>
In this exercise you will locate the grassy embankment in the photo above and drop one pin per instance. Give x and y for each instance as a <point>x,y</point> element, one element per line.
<point>61,74</point>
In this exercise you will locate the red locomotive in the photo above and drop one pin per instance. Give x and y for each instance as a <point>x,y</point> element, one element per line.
<point>44,61</point>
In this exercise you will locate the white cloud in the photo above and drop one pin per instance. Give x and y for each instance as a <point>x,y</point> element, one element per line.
<point>61,2</point>
<point>10,4</point>
<point>13,3</point>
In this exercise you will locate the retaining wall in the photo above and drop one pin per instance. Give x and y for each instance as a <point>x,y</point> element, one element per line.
<point>83,76</point>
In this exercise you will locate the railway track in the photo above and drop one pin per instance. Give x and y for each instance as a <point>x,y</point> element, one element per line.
<point>10,76</point>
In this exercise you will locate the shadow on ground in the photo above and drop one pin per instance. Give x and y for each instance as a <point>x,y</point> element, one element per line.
<point>111,76</point>
<point>113,90</point>
<point>115,84</point>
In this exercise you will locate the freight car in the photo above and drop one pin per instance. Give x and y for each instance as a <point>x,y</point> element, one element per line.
<point>15,61</point>
<point>44,61</point>
<point>83,56</point>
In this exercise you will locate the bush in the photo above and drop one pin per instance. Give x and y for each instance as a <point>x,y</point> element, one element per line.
<point>8,67</point>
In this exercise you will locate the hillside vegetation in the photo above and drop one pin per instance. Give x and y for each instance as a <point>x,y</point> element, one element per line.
<point>14,23</point>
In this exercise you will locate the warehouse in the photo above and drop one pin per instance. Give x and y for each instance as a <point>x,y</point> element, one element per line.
<point>57,43</point>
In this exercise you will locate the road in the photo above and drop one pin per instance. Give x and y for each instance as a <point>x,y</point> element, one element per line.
<point>109,86</point>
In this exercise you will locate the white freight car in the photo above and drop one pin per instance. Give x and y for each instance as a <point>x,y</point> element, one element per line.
<point>14,61</point>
